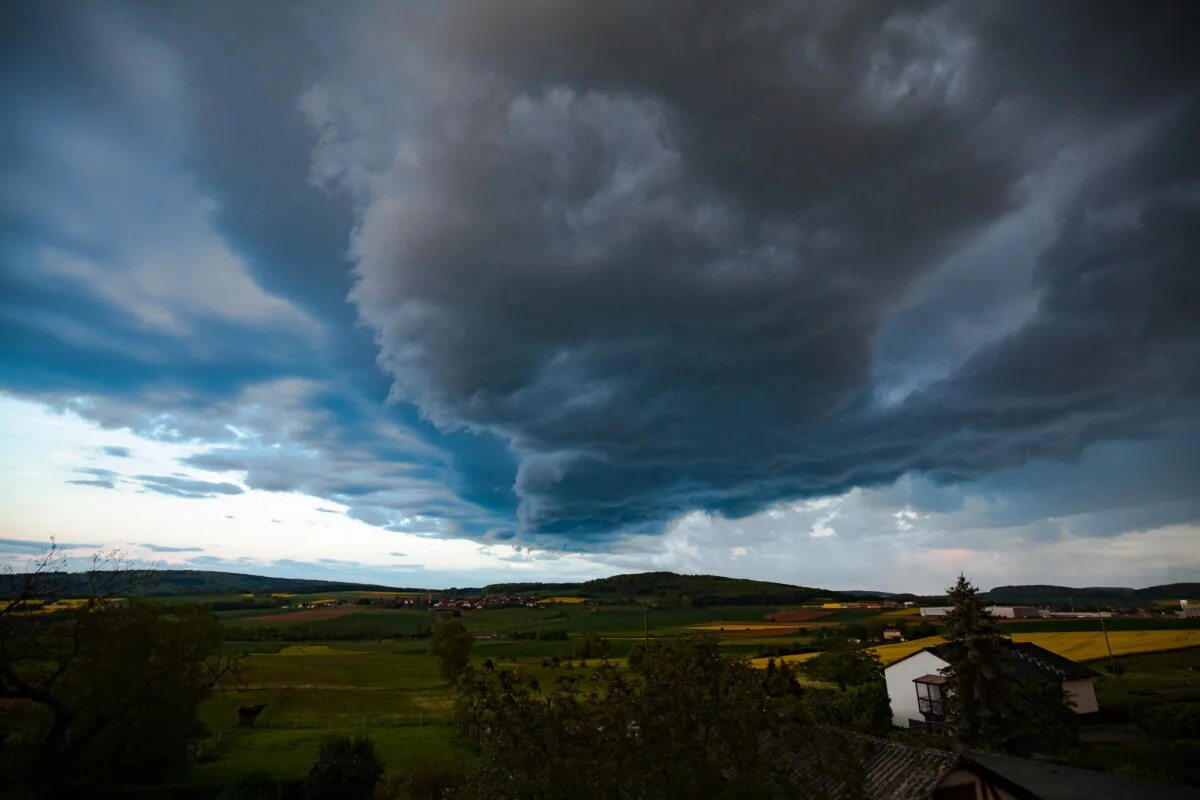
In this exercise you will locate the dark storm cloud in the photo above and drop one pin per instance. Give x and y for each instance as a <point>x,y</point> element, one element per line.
<point>632,260</point>
<point>657,249</point>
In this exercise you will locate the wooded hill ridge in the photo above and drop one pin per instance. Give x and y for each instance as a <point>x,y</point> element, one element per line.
<point>180,582</point>
<point>699,589</point>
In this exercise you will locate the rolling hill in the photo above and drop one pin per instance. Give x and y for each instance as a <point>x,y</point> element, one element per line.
<point>179,582</point>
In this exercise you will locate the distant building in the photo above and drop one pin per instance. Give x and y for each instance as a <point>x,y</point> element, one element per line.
<point>935,611</point>
<point>1188,611</point>
<point>893,635</point>
<point>1013,612</point>
<point>917,688</point>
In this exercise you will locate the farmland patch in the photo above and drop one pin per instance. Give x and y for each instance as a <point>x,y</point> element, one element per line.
<point>306,615</point>
<point>798,614</point>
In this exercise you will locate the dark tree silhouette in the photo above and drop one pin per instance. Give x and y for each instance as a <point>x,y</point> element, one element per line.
<point>981,701</point>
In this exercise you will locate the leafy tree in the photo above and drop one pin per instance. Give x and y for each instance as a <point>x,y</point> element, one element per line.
<point>846,664</point>
<point>256,784</point>
<point>687,723</point>
<point>451,645</point>
<point>112,684</point>
<point>921,630</point>
<point>1042,722</point>
<point>855,630</point>
<point>637,655</point>
<point>431,779</point>
<point>344,769</point>
<point>592,645</point>
<point>864,708</point>
<point>981,701</point>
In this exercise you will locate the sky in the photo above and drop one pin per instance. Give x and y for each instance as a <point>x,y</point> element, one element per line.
<point>849,295</point>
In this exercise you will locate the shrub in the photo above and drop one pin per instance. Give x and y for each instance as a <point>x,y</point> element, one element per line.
<point>344,769</point>
<point>1172,720</point>
<point>424,780</point>
<point>254,785</point>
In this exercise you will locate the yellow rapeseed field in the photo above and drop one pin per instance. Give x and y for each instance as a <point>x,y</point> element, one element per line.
<point>311,650</point>
<point>567,600</point>
<point>902,612</point>
<point>1088,645</point>
<point>1075,645</point>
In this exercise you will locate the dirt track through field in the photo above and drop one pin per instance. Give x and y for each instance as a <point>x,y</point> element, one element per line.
<point>798,615</point>
<point>308,615</point>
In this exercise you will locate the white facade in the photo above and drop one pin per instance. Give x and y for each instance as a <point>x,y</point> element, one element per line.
<point>901,692</point>
<point>1082,694</point>
<point>935,611</point>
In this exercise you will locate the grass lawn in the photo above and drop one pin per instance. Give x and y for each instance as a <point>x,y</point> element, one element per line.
<point>316,690</point>
<point>390,691</point>
<point>1155,675</point>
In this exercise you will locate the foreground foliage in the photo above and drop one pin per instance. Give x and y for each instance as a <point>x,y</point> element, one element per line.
<point>687,723</point>
<point>106,690</point>
<point>344,769</point>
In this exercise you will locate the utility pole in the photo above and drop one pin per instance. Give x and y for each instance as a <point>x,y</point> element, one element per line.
<point>1112,662</point>
<point>646,626</point>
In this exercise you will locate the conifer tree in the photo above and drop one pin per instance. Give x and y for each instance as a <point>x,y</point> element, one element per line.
<point>981,700</point>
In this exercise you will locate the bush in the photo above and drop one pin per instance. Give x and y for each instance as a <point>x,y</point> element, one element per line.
<point>425,780</point>
<point>344,769</point>
<point>254,785</point>
<point>1171,720</point>
<point>864,708</point>
<point>1169,761</point>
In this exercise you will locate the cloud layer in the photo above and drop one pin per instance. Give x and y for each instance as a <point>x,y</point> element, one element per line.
<point>673,271</point>
<point>754,288</point>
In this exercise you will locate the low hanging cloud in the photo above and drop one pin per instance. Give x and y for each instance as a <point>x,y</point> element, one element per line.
<point>162,548</point>
<point>680,275</point>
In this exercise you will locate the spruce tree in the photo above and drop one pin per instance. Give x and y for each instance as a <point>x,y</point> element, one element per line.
<point>981,702</point>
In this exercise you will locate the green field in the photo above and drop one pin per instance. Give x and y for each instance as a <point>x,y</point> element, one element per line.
<point>1172,675</point>
<point>384,685</point>
<point>392,692</point>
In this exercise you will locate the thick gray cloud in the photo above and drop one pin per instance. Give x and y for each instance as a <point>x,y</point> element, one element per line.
<point>710,261</point>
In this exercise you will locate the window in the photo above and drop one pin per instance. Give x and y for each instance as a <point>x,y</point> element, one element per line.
<point>930,700</point>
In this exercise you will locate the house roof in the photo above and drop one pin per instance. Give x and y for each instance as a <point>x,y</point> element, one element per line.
<point>931,678</point>
<point>1026,660</point>
<point>888,770</point>
<point>1051,781</point>
<point>897,772</point>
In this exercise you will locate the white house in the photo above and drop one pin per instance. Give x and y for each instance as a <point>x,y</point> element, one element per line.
<point>935,611</point>
<point>917,688</point>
